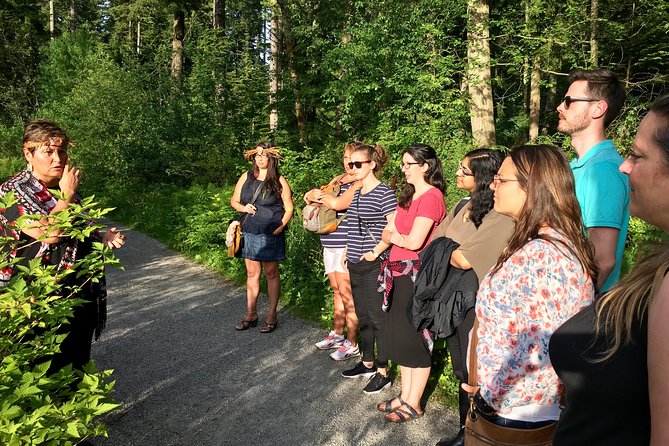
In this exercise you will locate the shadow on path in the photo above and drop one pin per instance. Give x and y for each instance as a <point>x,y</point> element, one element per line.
<point>185,376</point>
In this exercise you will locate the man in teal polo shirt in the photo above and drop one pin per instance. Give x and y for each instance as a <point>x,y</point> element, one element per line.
<point>594,99</point>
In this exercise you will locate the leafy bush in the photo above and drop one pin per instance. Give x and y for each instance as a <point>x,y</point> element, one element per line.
<point>36,407</point>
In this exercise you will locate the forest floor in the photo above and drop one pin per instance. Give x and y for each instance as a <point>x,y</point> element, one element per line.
<point>185,376</point>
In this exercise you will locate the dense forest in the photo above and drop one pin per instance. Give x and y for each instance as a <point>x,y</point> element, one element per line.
<point>162,97</point>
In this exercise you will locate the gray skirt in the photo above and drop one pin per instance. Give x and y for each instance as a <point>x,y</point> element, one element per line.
<point>264,247</point>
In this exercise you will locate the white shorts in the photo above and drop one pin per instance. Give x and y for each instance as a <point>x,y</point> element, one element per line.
<point>333,258</point>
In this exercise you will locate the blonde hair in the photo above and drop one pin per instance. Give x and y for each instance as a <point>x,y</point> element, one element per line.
<point>627,302</point>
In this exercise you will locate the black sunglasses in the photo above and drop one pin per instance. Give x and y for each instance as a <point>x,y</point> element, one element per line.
<point>357,164</point>
<point>568,100</point>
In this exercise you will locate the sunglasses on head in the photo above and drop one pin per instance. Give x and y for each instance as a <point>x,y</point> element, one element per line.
<point>357,164</point>
<point>568,100</point>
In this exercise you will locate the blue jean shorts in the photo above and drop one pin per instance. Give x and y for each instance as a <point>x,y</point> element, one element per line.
<point>264,247</point>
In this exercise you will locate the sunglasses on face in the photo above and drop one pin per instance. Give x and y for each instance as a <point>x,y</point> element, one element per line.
<point>358,164</point>
<point>568,100</point>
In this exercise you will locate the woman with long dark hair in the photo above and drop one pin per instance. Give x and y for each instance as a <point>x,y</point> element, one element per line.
<point>544,276</point>
<point>482,234</point>
<point>264,194</point>
<point>419,210</point>
<point>613,357</point>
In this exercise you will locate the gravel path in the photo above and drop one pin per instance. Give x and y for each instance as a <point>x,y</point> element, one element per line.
<point>186,377</point>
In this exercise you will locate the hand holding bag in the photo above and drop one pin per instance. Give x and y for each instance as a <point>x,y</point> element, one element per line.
<point>481,432</point>
<point>317,217</point>
<point>234,236</point>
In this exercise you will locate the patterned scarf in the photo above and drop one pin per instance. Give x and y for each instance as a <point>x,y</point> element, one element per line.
<point>35,199</point>
<point>385,279</point>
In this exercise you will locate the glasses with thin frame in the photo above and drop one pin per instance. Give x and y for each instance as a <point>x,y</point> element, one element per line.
<point>407,166</point>
<point>465,172</point>
<point>568,100</point>
<point>357,164</point>
<point>499,180</point>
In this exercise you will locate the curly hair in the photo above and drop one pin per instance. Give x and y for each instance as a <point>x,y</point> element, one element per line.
<point>484,164</point>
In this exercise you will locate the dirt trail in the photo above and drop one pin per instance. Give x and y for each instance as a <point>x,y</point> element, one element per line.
<point>186,377</point>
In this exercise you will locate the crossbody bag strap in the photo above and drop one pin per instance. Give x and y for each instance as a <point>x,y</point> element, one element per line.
<point>362,222</point>
<point>473,358</point>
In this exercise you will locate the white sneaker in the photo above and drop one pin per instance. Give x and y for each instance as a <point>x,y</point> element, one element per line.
<point>332,340</point>
<point>346,351</point>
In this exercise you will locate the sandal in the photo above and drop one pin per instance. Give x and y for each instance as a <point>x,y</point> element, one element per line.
<point>268,328</point>
<point>387,406</point>
<point>403,415</point>
<point>245,324</point>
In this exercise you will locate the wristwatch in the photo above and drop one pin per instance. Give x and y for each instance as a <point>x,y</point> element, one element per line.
<point>376,256</point>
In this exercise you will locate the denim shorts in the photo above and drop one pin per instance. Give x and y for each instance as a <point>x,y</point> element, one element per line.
<point>264,247</point>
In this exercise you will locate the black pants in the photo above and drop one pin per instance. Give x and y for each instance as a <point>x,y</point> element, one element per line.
<point>372,319</point>
<point>457,345</point>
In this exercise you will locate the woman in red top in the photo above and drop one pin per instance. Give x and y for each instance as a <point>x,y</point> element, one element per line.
<point>419,211</point>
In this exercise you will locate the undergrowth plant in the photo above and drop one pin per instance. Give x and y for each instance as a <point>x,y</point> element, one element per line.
<point>38,407</point>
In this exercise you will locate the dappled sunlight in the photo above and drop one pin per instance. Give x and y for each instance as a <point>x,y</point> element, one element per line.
<point>186,376</point>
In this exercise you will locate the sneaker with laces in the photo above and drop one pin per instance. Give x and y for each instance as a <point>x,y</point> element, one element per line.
<point>359,371</point>
<point>377,383</point>
<point>346,351</point>
<point>332,340</point>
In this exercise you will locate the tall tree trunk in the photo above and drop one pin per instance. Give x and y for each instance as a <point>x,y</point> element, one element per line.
<point>274,51</point>
<point>178,45</point>
<point>52,20</point>
<point>219,14</point>
<point>535,98</point>
<point>478,72</point>
<point>289,42</point>
<point>551,94</point>
<point>139,37</point>
<point>594,33</point>
<point>73,16</point>
<point>628,75</point>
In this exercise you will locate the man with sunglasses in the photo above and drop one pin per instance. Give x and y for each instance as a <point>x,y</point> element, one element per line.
<point>593,101</point>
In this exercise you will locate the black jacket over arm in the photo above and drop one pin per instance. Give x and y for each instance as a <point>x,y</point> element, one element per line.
<point>442,293</point>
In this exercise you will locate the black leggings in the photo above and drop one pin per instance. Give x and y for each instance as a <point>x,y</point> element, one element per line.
<point>457,345</point>
<point>372,319</point>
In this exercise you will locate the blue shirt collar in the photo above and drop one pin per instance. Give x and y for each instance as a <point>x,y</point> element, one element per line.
<point>594,151</point>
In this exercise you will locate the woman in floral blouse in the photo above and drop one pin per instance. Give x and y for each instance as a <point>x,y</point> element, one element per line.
<point>544,276</point>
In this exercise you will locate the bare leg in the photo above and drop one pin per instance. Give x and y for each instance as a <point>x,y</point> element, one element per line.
<point>253,270</point>
<point>414,381</point>
<point>344,284</point>
<point>339,318</point>
<point>273,288</point>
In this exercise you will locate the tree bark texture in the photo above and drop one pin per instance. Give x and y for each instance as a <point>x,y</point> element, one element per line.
<point>274,51</point>
<point>139,37</point>
<point>289,46</point>
<point>219,14</point>
<point>594,33</point>
<point>178,29</point>
<point>478,72</point>
<point>73,16</point>
<point>535,99</point>
<point>52,19</point>
<point>549,108</point>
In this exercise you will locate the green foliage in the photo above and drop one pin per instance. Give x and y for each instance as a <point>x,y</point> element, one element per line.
<point>35,407</point>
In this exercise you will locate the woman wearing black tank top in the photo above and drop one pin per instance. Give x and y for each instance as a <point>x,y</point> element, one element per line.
<point>265,196</point>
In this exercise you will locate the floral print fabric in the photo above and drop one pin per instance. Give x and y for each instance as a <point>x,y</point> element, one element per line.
<point>519,307</point>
